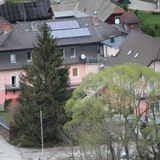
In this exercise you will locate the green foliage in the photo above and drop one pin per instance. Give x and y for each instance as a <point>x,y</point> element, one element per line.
<point>6,116</point>
<point>7,102</point>
<point>150,23</point>
<point>136,12</point>
<point>148,30</point>
<point>20,1</point>
<point>105,111</point>
<point>43,87</point>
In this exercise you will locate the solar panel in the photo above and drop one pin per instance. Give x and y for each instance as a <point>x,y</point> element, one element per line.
<point>64,25</point>
<point>78,32</point>
<point>25,11</point>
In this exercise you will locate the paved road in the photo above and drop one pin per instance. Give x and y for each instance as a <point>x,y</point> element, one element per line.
<point>141,5</point>
<point>8,152</point>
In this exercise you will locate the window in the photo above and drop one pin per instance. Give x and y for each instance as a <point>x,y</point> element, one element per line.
<point>13,58</point>
<point>13,81</point>
<point>73,53</point>
<point>99,50</point>
<point>62,52</point>
<point>136,55</point>
<point>29,56</point>
<point>156,106</point>
<point>75,72</point>
<point>117,17</point>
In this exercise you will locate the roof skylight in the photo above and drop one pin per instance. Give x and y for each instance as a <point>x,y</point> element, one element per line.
<point>129,52</point>
<point>136,55</point>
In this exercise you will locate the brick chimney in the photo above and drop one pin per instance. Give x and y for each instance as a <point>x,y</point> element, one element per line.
<point>5,26</point>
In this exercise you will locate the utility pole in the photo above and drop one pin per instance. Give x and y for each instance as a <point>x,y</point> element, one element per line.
<point>41,129</point>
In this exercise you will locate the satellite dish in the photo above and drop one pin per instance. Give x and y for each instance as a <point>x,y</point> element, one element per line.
<point>117,21</point>
<point>83,56</point>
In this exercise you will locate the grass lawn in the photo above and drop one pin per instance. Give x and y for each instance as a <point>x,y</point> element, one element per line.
<point>151,20</point>
<point>6,116</point>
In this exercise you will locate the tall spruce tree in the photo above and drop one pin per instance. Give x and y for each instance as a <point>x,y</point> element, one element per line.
<point>43,87</point>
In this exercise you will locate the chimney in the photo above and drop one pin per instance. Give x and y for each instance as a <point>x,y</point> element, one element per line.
<point>95,19</point>
<point>7,27</point>
<point>95,14</point>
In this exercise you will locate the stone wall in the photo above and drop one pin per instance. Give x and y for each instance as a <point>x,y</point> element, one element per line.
<point>5,132</point>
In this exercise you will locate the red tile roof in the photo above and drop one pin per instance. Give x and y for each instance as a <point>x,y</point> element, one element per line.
<point>3,21</point>
<point>118,10</point>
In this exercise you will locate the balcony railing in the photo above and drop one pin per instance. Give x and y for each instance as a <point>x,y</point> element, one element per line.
<point>11,87</point>
<point>92,60</point>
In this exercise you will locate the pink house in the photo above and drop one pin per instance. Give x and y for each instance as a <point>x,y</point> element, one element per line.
<point>79,40</point>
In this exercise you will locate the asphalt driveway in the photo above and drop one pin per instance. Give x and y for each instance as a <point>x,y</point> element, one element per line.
<point>8,152</point>
<point>141,5</point>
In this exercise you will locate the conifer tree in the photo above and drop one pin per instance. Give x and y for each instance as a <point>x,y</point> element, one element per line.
<point>43,87</point>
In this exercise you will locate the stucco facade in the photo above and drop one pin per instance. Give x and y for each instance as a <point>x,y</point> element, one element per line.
<point>11,66</point>
<point>82,71</point>
<point>9,88</point>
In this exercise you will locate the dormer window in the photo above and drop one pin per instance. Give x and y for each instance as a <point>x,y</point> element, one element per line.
<point>13,58</point>
<point>29,56</point>
<point>73,53</point>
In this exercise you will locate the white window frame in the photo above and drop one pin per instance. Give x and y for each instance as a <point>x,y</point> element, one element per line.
<point>74,53</point>
<point>14,74</point>
<point>63,51</point>
<point>29,60</point>
<point>99,50</point>
<point>15,84</point>
<point>13,58</point>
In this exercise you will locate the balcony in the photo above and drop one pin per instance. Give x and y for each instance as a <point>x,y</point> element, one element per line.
<point>12,87</point>
<point>92,60</point>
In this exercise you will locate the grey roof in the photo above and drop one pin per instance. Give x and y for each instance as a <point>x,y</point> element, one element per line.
<point>64,6</point>
<point>104,8</point>
<point>137,48</point>
<point>22,36</point>
<point>118,40</point>
<point>69,13</point>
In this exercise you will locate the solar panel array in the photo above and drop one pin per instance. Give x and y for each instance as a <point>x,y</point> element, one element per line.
<point>68,33</point>
<point>64,25</point>
<point>25,11</point>
<point>68,29</point>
